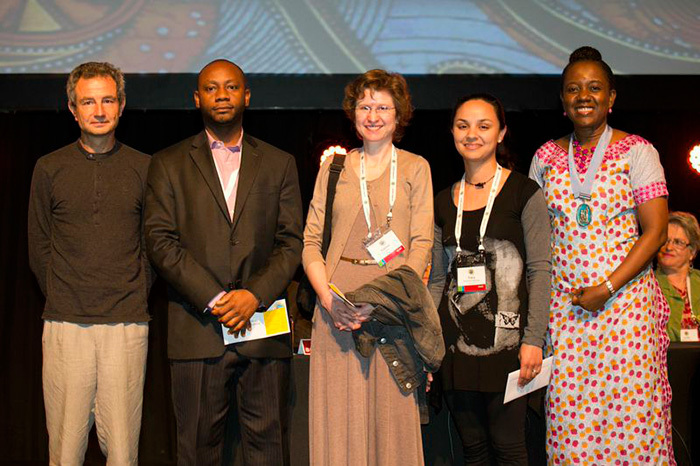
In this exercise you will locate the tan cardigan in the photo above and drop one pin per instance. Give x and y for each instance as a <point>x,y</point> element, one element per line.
<point>412,216</point>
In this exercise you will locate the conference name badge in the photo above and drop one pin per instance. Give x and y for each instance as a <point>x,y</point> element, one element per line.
<point>383,246</point>
<point>471,272</point>
<point>471,279</point>
<point>689,335</point>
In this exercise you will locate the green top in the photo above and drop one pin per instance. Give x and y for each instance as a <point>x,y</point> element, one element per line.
<point>676,303</point>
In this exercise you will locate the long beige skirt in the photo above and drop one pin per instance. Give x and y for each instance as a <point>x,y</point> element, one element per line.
<point>357,414</point>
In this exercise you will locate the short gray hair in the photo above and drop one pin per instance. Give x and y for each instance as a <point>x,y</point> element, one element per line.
<point>689,223</point>
<point>91,70</point>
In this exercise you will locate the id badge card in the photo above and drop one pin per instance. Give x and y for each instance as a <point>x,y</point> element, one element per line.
<point>383,246</point>
<point>471,272</point>
<point>689,335</point>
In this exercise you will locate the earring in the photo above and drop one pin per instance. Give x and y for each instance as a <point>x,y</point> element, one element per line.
<point>564,113</point>
<point>610,110</point>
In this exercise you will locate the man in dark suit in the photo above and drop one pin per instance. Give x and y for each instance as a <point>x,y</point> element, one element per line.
<point>224,227</point>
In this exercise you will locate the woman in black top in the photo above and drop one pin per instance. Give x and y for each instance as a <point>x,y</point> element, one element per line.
<point>493,289</point>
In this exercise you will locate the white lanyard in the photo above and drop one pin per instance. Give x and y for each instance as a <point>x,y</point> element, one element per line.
<point>487,210</point>
<point>365,196</point>
<point>228,186</point>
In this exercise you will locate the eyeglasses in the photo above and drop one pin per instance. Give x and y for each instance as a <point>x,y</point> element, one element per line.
<point>677,243</point>
<point>380,109</point>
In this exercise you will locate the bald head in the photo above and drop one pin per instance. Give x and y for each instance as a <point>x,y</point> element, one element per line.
<point>222,63</point>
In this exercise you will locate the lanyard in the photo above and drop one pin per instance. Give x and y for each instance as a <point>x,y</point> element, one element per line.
<point>583,190</point>
<point>487,210</point>
<point>365,196</point>
<point>227,186</point>
<point>689,293</point>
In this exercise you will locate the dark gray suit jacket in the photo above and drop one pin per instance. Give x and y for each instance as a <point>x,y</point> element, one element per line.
<point>200,252</point>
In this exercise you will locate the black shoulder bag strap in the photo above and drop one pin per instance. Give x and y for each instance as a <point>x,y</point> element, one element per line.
<point>335,169</point>
<point>306,296</point>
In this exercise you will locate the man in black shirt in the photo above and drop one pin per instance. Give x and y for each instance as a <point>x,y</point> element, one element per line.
<point>87,251</point>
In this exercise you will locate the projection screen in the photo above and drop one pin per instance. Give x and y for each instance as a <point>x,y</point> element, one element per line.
<point>349,36</point>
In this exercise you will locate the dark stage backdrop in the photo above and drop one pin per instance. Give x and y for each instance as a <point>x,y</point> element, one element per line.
<point>25,136</point>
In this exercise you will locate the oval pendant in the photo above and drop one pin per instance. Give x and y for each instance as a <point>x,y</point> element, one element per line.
<point>584,215</point>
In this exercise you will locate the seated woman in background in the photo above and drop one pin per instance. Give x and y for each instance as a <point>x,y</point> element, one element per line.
<point>679,282</point>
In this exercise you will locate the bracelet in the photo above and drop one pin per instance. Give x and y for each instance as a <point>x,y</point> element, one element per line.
<point>610,287</point>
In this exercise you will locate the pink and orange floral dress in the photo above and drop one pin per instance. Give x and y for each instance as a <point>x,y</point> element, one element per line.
<point>609,399</point>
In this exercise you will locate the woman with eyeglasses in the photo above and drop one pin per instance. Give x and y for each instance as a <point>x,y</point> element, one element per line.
<point>679,281</point>
<point>609,398</point>
<point>382,221</point>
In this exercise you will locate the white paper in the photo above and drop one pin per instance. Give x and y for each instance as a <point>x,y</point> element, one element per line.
<point>258,328</point>
<point>513,390</point>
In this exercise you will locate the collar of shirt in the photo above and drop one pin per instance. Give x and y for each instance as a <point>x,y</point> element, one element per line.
<point>228,162</point>
<point>220,149</point>
<point>101,155</point>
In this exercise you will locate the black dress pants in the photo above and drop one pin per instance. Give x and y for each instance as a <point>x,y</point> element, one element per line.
<point>489,430</point>
<point>202,391</point>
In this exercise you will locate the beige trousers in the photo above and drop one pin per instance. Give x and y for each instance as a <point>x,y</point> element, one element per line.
<point>94,374</point>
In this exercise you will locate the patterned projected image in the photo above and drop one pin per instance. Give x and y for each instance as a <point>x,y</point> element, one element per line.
<point>349,36</point>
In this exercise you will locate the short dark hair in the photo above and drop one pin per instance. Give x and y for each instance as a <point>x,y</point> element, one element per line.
<point>588,53</point>
<point>503,155</point>
<point>381,80</point>
<point>94,69</point>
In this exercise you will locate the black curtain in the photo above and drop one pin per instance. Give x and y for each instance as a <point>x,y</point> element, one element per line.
<point>25,136</point>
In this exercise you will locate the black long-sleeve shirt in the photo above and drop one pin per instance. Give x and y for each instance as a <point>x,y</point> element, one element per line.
<point>481,340</point>
<point>86,243</point>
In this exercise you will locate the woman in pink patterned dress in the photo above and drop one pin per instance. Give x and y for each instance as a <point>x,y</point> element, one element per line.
<point>609,399</point>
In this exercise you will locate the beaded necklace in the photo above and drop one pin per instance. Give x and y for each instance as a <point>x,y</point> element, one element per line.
<point>582,156</point>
